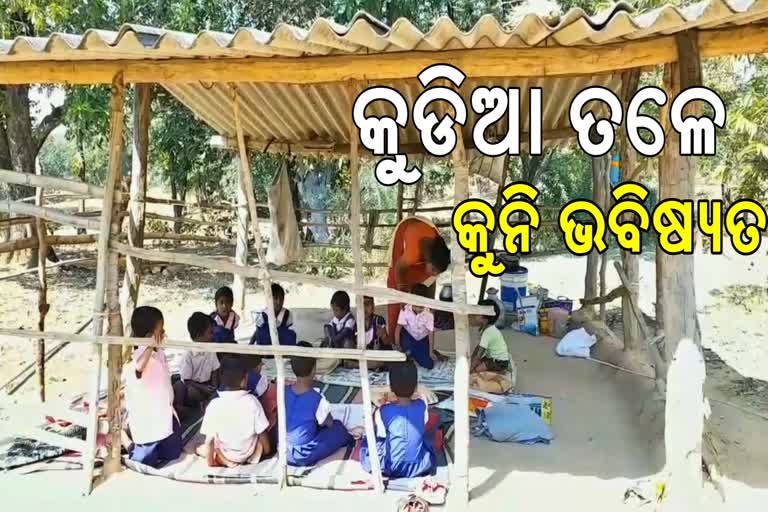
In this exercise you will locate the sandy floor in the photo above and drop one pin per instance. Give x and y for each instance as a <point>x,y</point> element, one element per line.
<point>602,443</point>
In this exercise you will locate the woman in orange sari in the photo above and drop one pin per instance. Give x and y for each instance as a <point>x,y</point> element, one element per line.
<point>417,255</point>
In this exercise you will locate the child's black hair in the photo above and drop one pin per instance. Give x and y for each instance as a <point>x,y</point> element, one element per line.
<point>403,378</point>
<point>421,290</point>
<point>144,321</point>
<point>368,298</point>
<point>233,372</point>
<point>340,299</point>
<point>251,361</point>
<point>278,292</point>
<point>302,366</point>
<point>439,254</point>
<point>224,291</point>
<point>496,311</point>
<point>197,324</point>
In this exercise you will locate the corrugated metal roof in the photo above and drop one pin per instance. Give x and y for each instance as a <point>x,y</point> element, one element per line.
<point>365,35</point>
<point>317,114</point>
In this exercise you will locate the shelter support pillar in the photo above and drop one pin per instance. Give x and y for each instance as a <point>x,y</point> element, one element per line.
<point>496,209</point>
<point>459,495</point>
<point>354,170</point>
<point>684,413</point>
<point>42,298</point>
<point>142,102</point>
<point>241,247</point>
<point>630,262</point>
<point>106,285</point>
<point>593,258</point>
<point>246,184</point>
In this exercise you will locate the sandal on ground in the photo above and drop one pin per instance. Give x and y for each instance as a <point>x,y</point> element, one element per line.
<point>432,492</point>
<point>412,503</point>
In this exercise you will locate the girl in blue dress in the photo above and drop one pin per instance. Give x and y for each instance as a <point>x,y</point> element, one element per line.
<point>400,427</point>
<point>313,434</point>
<point>285,333</point>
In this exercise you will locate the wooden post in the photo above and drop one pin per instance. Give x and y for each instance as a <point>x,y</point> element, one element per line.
<point>42,298</point>
<point>630,262</point>
<point>354,168</point>
<point>460,485</point>
<point>400,194</point>
<point>241,248</point>
<point>602,197</point>
<point>684,410</point>
<point>142,111</point>
<point>102,270</point>
<point>593,258</point>
<point>496,210</point>
<point>246,183</point>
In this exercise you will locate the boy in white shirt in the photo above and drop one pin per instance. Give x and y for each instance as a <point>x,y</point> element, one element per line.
<point>198,376</point>
<point>234,425</point>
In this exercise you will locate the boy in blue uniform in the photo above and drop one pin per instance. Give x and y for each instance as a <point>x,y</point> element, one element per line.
<point>400,428</point>
<point>313,434</point>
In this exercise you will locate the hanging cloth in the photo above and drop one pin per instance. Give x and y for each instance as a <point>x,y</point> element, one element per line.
<point>285,239</point>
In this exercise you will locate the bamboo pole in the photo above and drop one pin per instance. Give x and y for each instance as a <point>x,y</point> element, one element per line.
<point>354,168</point>
<point>246,183</point>
<point>292,277</point>
<point>185,220</point>
<point>102,269</point>
<point>241,247</point>
<point>42,298</point>
<point>460,481</point>
<point>49,214</point>
<point>18,380</point>
<point>387,356</point>
<point>142,111</point>
<point>49,182</point>
<point>496,209</point>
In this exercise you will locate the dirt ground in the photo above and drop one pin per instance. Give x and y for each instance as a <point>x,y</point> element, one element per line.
<point>603,443</point>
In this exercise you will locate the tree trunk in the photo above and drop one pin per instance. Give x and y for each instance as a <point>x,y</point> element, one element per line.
<point>82,174</point>
<point>599,170</point>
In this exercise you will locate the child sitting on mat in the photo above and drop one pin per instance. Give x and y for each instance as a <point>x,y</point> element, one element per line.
<point>340,331</point>
<point>225,321</point>
<point>234,424</point>
<point>404,451</point>
<point>491,355</point>
<point>154,427</point>
<point>415,332</point>
<point>375,327</point>
<point>198,376</point>
<point>313,434</point>
<point>285,333</point>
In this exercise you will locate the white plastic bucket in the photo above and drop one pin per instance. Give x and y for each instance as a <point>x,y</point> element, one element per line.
<point>513,286</point>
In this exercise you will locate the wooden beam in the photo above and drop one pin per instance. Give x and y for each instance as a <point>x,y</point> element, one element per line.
<point>117,101</point>
<point>354,170</point>
<point>388,356</point>
<point>142,112</point>
<point>50,182</point>
<point>683,432</point>
<point>540,61</point>
<point>246,183</point>
<point>49,214</point>
<point>334,149</point>
<point>185,220</point>
<point>459,495</point>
